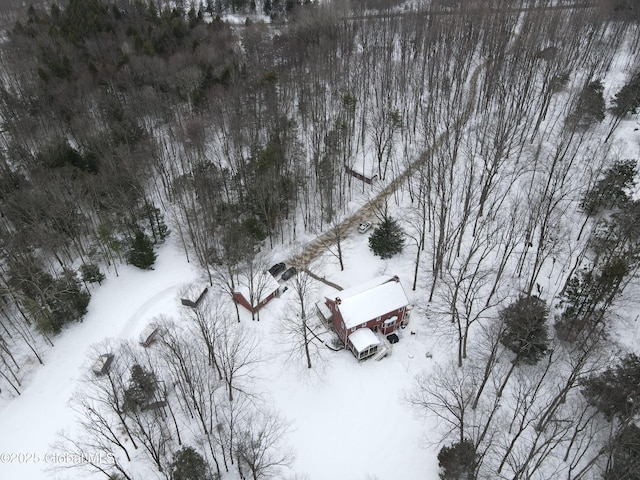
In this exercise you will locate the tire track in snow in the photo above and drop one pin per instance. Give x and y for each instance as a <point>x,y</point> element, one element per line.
<point>129,328</point>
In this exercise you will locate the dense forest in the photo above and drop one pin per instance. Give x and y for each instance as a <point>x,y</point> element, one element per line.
<point>125,121</point>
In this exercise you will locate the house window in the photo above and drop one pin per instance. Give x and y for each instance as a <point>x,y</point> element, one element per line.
<point>368,352</point>
<point>353,329</point>
<point>389,322</point>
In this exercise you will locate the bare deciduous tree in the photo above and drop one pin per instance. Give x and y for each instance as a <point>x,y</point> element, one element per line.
<point>259,445</point>
<point>448,395</point>
<point>298,321</point>
<point>238,357</point>
<point>337,233</point>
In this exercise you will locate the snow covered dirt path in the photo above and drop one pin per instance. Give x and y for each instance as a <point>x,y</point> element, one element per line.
<point>320,244</point>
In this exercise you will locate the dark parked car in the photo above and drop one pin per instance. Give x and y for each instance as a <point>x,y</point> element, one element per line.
<point>289,273</point>
<point>277,268</point>
<point>393,338</point>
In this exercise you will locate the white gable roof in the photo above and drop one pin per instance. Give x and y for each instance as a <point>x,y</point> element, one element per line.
<point>371,299</point>
<point>362,287</point>
<point>263,283</point>
<point>363,338</point>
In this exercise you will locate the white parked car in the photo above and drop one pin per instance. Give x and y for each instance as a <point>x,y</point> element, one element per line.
<point>364,227</point>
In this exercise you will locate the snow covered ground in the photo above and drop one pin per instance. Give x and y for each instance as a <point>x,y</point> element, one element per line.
<point>348,419</point>
<point>119,309</point>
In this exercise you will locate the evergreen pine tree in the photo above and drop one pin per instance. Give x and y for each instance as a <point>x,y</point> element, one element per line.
<point>590,106</point>
<point>625,455</point>
<point>141,253</point>
<point>388,239</point>
<point>627,100</point>
<point>188,464</point>
<point>142,386</point>
<point>526,333</point>
<point>616,391</point>
<point>458,462</point>
<point>91,273</point>
<point>612,191</point>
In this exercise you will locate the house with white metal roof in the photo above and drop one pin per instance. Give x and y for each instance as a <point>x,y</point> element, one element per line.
<point>379,305</point>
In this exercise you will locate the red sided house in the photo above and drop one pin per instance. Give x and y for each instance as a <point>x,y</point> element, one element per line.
<point>379,305</point>
<point>256,292</point>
